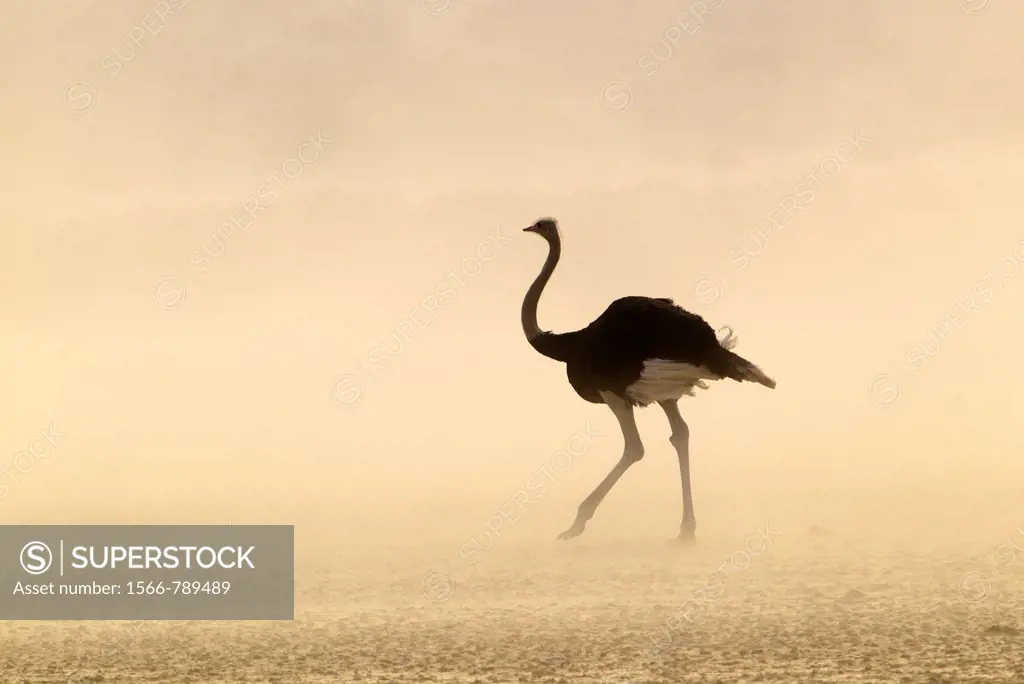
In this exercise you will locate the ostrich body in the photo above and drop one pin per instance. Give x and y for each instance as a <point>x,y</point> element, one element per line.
<point>638,352</point>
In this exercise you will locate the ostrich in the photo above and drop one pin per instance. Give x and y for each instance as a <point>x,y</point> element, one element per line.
<point>639,351</point>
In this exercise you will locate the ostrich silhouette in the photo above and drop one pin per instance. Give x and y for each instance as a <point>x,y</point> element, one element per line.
<point>639,351</point>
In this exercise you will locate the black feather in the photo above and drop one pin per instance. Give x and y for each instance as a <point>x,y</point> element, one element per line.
<point>609,353</point>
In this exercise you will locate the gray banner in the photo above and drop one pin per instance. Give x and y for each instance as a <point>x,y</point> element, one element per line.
<point>147,572</point>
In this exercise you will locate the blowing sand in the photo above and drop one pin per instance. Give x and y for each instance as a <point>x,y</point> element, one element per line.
<point>349,358</point>
<point>757,599</point>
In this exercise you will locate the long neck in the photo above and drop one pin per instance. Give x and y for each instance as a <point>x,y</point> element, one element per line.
<point>557,347</point>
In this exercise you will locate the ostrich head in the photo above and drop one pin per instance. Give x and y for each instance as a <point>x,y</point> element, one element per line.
<point>547,228</point>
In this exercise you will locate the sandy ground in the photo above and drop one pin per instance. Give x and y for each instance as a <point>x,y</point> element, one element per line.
<point>793,605</point>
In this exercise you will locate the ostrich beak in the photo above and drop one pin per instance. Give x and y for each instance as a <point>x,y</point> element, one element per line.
<point>530,229</point>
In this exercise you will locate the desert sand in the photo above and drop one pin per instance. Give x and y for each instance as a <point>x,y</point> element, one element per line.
<point>854,599</point>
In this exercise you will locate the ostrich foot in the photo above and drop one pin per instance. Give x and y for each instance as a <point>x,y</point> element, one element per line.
<point>574,531</point>
<point>686,532</point>
<point>682,540</point>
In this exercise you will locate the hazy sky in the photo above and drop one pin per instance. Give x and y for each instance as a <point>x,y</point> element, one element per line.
<point>662,141</point>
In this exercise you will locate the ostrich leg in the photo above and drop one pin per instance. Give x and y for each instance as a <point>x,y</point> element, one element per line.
<point>632,452</point>
<point>681,441</point>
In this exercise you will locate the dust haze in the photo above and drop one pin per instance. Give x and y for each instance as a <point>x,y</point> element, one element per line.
<point>264,262</point>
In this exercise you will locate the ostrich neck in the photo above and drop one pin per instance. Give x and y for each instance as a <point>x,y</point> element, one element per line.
<point>554,346</point>
<point>532,299</point>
